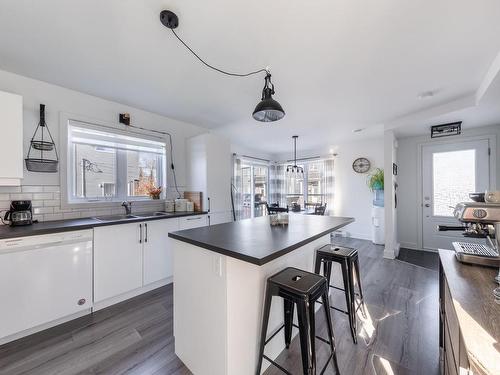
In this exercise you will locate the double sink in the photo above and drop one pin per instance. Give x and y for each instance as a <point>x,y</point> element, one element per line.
<point>135,216</point>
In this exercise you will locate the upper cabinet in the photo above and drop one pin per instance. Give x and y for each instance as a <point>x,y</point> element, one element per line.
<point>11,141</point>
<point>209,171</point>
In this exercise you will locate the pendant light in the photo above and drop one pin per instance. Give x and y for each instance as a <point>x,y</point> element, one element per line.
<point>294,170</point>
<point>268,109</point>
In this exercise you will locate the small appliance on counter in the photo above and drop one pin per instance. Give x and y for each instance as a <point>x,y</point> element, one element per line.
<point>169,206</point>
<point>189,206</point>
<point>20,213</point>
<point>180,205</point>
<point>482,220</point>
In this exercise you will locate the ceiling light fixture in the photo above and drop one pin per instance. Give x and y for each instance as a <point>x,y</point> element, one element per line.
<point>268,109</point>
<point>294,170</point>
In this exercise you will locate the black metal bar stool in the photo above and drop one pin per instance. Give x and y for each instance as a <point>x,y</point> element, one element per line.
<point>301,288</point>
<point>348,259</point>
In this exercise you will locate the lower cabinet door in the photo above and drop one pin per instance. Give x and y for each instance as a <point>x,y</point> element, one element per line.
<point>117,260</point>
<point>158,250</point>
<point>195,221</point>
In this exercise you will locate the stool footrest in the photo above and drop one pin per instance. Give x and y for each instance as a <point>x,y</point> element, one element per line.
<point>318,337</point>
<point>274,334</point>
<point>277,365</point>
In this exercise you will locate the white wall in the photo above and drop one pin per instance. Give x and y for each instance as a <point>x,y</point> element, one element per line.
<point>58,99</point>
<point>409,185</point>
<point>352,196</point>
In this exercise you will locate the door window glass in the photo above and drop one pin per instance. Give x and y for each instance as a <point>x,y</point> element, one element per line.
<point>454,177</point>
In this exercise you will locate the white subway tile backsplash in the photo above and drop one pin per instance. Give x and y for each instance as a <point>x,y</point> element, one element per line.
<point>51,189</point>
<point>71,215</point>
<point>43,210</point>
<point>21,196</point>
<point>43,196</point>
<point>10,189</point>
<point>52,203</point>
<point>46,203</point>
<point>50,217</point>
<point>37,204</point>
<point>32,189</point>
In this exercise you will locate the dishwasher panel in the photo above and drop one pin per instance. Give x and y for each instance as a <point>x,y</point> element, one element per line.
<point>44,278</point>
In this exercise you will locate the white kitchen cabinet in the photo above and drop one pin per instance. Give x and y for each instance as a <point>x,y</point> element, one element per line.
<point>220,217</point>
<point>209,171</point>
<point>130,259</point>
<point>158,249</point>
<point>117,260</point>
<point>11,141</point>
<point>190,222</point>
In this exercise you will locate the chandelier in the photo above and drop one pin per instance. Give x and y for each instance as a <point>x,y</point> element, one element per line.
<point>294,170</point>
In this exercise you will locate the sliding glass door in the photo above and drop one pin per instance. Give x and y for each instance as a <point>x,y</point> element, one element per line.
<point>255,189</point>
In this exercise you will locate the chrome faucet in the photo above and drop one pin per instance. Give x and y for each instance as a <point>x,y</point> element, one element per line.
<point>128,207</point>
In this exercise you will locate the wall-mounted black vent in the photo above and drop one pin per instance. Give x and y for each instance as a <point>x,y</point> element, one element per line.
<point>445,130</point>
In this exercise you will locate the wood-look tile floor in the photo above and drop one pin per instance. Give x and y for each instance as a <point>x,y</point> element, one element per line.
<point>399,335</point>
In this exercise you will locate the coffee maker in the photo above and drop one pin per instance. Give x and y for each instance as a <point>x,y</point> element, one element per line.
<point>20,213</point>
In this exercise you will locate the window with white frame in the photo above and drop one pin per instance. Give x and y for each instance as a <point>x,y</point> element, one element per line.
<point>104,164</point>
<point>307,188</point>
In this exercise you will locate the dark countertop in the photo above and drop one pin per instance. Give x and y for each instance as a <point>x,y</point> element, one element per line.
<point>256,241</point>
<point>471,289</point>
<point>56,226</point>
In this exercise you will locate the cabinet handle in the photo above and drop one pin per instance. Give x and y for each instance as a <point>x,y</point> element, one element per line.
<point>208,204</point>
<point>194,218</point>
<point>140,233</point>
<point>146,227</point>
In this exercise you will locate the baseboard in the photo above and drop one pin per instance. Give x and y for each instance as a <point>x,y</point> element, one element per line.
<point>360,236</point>
<point>133,293</point>
<point>410,245</point>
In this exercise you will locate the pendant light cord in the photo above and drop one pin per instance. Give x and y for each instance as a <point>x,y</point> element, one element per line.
<point>213,67</point>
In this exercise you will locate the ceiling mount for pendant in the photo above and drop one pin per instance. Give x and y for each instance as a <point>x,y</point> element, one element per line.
<point>295,170</point>
<point>268,109</point>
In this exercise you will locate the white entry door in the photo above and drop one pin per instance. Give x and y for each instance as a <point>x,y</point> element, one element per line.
<point>450,172</point>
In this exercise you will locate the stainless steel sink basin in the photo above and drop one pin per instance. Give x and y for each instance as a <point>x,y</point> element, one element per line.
<point>115,217</point>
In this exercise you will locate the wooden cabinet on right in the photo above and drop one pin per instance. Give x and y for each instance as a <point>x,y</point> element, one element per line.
<point>468,318</point>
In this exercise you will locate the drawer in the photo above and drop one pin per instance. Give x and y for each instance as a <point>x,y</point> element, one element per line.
<point>195,221</point>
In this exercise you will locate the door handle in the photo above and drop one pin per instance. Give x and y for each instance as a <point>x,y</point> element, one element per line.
<point>146,230</point>
<point>427,205</point>
<point>140,233</point>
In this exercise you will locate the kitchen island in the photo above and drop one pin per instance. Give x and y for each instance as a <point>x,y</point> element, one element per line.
<point>220,273</point>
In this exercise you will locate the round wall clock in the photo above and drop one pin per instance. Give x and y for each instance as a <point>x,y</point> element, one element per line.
<point>361,165</point>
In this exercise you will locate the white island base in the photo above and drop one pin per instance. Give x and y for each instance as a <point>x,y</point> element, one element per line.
<point>218,302</point>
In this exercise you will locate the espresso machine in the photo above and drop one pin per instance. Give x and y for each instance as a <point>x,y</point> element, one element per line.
<point>481,220</point>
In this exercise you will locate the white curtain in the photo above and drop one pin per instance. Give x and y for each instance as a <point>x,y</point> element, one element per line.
<point>277,185</point>
<point>329,185</point>
<point>237,187</point>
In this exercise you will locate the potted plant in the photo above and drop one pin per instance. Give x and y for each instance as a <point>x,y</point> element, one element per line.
<point>376,184</point>
<point>154,192</point>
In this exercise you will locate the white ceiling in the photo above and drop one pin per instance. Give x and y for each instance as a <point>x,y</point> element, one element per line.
<point>337,65</point>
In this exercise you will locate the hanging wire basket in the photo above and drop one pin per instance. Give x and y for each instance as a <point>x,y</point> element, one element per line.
<point>42,164</point>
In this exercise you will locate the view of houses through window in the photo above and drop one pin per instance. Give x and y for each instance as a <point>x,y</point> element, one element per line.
<point>306,189</point>
<point>109,166</point>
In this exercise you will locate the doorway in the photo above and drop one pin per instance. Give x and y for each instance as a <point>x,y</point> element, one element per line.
<point>449,173</point>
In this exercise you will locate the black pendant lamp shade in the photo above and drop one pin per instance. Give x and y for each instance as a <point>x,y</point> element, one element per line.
<point>268,109</point>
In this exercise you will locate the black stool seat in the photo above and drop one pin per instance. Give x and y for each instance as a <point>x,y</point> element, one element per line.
<point>347,257</point>
<point>297,281</point>
<point>302,289</point>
